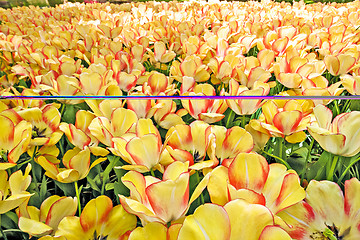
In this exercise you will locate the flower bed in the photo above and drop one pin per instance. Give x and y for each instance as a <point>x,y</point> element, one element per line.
<point>194,120</point>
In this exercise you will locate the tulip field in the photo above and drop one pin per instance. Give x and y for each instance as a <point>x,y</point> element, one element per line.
<point>180,121</point>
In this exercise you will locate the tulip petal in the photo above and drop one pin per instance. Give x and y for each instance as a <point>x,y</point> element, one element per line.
<point>332,212</point>
<point>151,231</point>
<point>209,222</point>
<point>248,170</point>
<point>169,199</point>
<point>95,212</point>
<point>274,233</point>
<point>247,220</point>
<point>119,222</point>
<point>34,227</point>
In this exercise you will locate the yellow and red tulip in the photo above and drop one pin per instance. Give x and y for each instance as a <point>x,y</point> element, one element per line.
<point>43,221</point>
<point>120,122</point>
<point>143,150</point>
<point>189,143</point>
<point>246,106</point>
<point>315,218</point>
<point>76,163</point>
<point>99,219</point>
<point>14,139</point>
<point>79,134</point>
<point>45,123</point>
<point>164,201</point>
<point>249,177</point>
<point>286,119</point>
<point>207,110</point>
<point>229,142</point>
<point>13,189</point>
<point>337,137</point>
<point>236,220</point>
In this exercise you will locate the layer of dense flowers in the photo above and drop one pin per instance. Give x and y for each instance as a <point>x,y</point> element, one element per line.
<point>199,167</point>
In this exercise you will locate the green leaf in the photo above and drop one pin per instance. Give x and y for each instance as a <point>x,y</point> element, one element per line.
<point>120,189</point>
<point>43,188</point>
<point>67,188</point>
<point>297,159</point>
<point>109,186</point>
<point>69,114</point>
<point>9,220</point>
<point>318,170</point>
<point>93,184</point>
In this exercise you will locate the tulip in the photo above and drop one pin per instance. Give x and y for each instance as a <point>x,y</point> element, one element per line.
<point>45,123</point>
<point>351,83</point>
<point>207,110</point>
<point>79,134</point>
<point>337,137</point>
<point>99,219</point>
<point>336,218</point>
<point>15,138</point>
<point>155,200</point>
<point>339,65</point>
<point>286,119</point>
<point>236,220</point>
<point>76,162</point>
<point>13,189</point>
<point>190,70</point>
<point>143,150</point>
<point>161,54</point>
<point>189,143</point>
<point>246,106</point>
<point>229,142</point>
<point>166,115</point>
<point>249,177</point>
<point>39,222</point>
<point>120,122</point>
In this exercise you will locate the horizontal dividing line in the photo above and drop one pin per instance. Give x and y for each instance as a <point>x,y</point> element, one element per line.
<point>143,97</point>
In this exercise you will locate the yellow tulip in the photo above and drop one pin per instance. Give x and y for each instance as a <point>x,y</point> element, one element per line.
<point>207,110</point>
<point>246,106</point>
<point>155,200</point>
<point>286,119</point>
<point>338,65</point>
<point>99,219</point>
<point>339,136</point>
<point>45,123</point>
<point>79,134</point>
<point>249,177</point>
<point>120,122</point>
<point>13,189</point>
<point>228,143</point>
<point>14,139</point>
<point>337,217</point>
<point>76,162</point>
<point>189,143</point>
<point>43,221</point>
<point>236,220</point>
<point>143,150</point>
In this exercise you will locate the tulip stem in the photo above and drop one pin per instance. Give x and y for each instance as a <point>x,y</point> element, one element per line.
<point>276,157</point>
<point>78,196</point>
<point>229,119</point>
<point>243,120</point>
<point>336,107</point>
<point>202,201</point>
<point>33,170</point>
<point>347,169</point>
<point>330,175</point>
<point>307,158</point>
